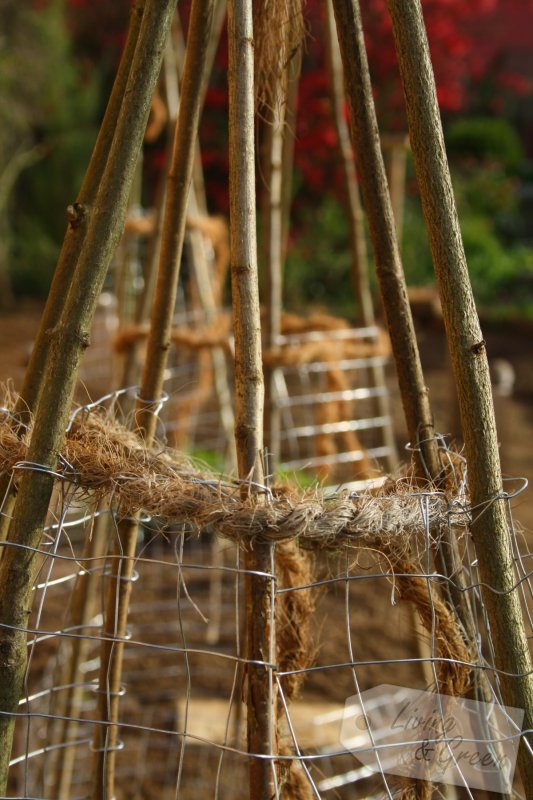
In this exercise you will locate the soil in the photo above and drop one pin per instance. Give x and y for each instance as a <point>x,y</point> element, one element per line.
<point>512,343</point>
<point>17,331</point>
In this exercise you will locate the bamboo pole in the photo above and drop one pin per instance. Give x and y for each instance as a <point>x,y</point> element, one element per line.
<point>204,285</point>
<point>198,205</point>
<point>175,52</point>
<point>68,339</point>
<point>469,359</point>
<point>391,277</point>
<point>358,248</point>
<point>173,232</point>
<point>218,27</point>
<point>249,389</point>
<point>79,219</point>
<point>131,369</point>
<point>105,740</point>
<point>179,49</point>
<point>127,258</point>
<point>70,251</point>
<point>277,173</point>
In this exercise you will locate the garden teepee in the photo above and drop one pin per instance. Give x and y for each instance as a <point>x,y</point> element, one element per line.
<point>52,458</point>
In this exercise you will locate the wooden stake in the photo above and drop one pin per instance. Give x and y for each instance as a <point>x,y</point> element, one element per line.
<point>83,605</point>
<point>469,359</point>
<point>359,270</point>
<point>391,277</point>
<point>291,113</point>
<point>173,232</point>
<point>249,389</point>
<point>197,250</point>
<point>178,183</point>
<point>68,340</point>
<point>178,46</point>
<point>366,144</point>
<point>272,262</point>
<point>79,218</point>
<point>70,252</point>
<point>358,249</point>
<point>131,368</point>
<point>277,172</point>
<point>395,146</point>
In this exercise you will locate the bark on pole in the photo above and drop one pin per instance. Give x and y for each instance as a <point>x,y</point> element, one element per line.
<point>272,262</point>
<point>249,388</point>
<point>369,160</point>
<point>469,360</point>
<point>197,207</point>
<point>291,113</point>
<point>68,704</point>
<point>79,219</point>
<point>277,171</point>
<point>68,339</point>
<point>173,233</point>
<point>358,250</point>
<point>396,146</point>
<point>355,218</point>
<point>177,194</point>
<point>371,169</point>
<point>70,251</point>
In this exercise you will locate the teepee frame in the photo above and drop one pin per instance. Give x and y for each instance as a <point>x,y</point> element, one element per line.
<point>95,224</point>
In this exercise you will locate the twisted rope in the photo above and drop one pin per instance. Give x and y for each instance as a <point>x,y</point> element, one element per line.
<point>102,456</point>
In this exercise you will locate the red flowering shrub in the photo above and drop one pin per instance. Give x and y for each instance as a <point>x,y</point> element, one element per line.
<point>469,41</point>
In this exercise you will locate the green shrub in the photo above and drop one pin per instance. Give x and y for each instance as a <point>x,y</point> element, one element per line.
<point>33,256</point>
<point>485,186</point>
<point>416,254</point>
<point>317,270</point>
<point>48,107</point>
<point>492,267</point>
<point>485,139</point>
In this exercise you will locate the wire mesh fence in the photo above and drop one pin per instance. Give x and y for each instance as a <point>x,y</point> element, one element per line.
<point>330,390</point>
<point>347,597</point>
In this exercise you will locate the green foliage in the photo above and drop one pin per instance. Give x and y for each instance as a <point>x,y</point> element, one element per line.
<point>493,268</point>
<point>47,108</point>
<point>486,190</point>
<point>290,477</point>
<point>38,210</point>
<point>416,255</point>
<point>489,157</point>
<point>317,270</point>
<point>210,459</point>
<point>500,273</point>
<point>501,270</point>
<point>485,156</point>
<point>33,255</point>
<point>485,139</point>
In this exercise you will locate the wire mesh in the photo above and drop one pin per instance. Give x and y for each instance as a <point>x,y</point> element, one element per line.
<point>335,419</point>
<point>182,722</point>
